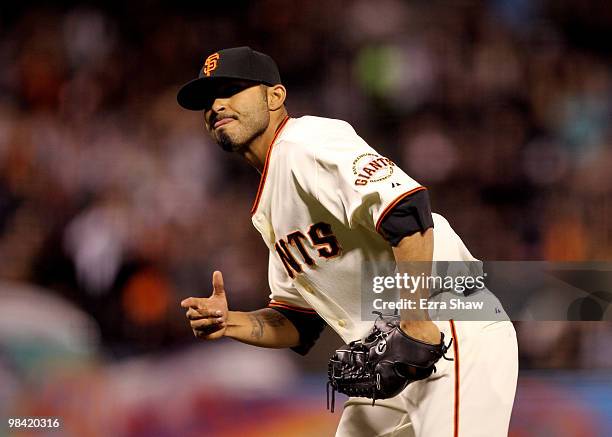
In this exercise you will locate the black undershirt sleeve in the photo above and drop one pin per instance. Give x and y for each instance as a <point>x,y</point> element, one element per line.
<point>309,327</point>
<point>412,214</point>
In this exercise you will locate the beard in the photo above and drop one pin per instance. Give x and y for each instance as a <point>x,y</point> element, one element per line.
<point>227,143</point>
<point>230,144</point>
<point>238,141</point>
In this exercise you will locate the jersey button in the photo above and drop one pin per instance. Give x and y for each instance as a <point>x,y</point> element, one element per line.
<point>342,323</point>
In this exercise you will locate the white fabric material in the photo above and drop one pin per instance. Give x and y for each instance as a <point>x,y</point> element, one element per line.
<point>320,171</point>
<point>310,178</point>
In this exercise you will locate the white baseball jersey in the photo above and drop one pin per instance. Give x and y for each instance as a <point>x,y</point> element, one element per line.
<point>322,197</point>
<point>323,194</point>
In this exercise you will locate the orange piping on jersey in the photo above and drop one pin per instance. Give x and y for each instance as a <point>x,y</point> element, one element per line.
<point>276,303</point>
<point>264,173</point>
<point>395,202</point>
<point>456,357</point>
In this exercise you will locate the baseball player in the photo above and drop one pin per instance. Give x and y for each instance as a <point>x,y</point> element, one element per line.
<point>326,204</point>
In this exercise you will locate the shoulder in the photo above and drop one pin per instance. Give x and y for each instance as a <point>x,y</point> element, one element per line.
<point>315,136</point>
<point>310,127</point>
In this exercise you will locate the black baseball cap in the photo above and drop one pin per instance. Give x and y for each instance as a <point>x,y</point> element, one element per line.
<point>238,63</point>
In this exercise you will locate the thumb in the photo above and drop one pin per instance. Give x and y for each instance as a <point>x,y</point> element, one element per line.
<point>217,281</point>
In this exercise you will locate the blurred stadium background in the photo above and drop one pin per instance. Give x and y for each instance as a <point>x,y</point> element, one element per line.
<point>114,205</point>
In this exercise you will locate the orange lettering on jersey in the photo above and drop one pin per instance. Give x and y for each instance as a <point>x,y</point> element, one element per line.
<point>295,238</point>
<point>210,64</point>
<point>291,264</point>
<point>323,238</point>
<point>320,236</point>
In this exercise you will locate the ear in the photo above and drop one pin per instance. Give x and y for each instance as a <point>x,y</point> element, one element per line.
<point>276,97</point>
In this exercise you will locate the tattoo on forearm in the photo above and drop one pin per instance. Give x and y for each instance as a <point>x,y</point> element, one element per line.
<point>260,319</point>
<point>273,318</point>
<point>257,326</point>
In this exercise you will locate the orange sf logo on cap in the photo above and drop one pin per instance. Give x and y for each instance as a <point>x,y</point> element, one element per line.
<point>210,64</point>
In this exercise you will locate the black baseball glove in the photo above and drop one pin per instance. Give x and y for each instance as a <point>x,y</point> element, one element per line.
<point>383,363</point>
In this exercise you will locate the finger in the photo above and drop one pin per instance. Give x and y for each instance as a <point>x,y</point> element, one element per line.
<point>190,302</point>
<point>217,281</point>
<point>196,314</point>
<point>193,314</point>
<point>206,323</point>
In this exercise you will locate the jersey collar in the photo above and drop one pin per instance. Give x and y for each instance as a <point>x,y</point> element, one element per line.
<point>264,173</point>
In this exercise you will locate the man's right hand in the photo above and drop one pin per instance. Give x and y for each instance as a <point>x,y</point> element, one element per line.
<point>208,316</point>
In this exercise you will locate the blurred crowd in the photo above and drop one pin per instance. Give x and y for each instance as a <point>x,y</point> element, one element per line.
<point>114,197</point>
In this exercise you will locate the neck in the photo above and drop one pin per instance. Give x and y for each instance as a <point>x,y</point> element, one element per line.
<point>255,153</point>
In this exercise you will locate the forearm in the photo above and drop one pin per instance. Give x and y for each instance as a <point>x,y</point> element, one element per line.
<point>265,328</point>
<point>414,255</point>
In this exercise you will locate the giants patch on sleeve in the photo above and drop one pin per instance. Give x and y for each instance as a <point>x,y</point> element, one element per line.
<point>369,167</point>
